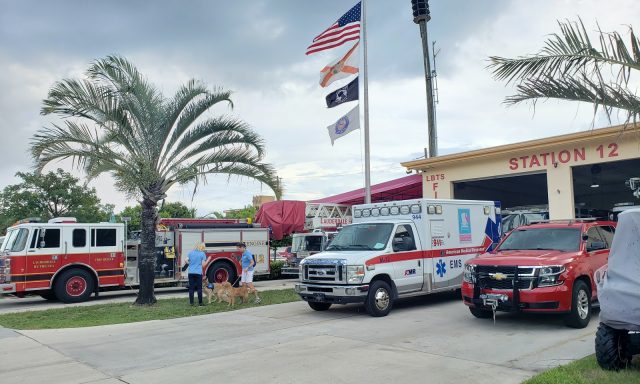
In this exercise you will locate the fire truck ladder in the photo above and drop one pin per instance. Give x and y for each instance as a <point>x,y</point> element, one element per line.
<point>315,212</point>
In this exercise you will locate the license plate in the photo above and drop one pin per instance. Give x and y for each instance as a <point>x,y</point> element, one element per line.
<point>318,296</point>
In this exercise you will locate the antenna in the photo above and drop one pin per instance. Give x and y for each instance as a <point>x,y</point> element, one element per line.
<point>434,73</point>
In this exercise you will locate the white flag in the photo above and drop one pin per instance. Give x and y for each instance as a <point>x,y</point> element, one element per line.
<point>341,68</point>
<point>347,123</point>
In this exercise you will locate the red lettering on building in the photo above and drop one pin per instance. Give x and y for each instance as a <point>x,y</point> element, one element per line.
<point>564,156</point>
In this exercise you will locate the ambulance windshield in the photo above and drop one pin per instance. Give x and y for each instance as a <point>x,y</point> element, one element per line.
<point>358,237</point>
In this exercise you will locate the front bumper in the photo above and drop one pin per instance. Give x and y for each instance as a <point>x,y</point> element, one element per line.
<point>7,288</point>
<point>337,294</point>
<point>555,299</point>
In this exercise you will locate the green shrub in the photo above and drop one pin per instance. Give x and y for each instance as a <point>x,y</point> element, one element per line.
<point>276,269</point>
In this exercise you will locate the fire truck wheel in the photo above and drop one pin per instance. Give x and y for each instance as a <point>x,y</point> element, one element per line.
<point>48,295</point>
<point>580,306</point>
<point>319,306</point>
<point>220,272</point>
<point>74,286</point>
<point>481,313</point>
<point>379,300</point>
<point>612,348</point>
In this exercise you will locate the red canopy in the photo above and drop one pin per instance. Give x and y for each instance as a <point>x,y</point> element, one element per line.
<point>404,188</point>
<point>284,217</point>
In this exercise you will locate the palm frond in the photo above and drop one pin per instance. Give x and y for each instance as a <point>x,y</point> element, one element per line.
<point>568,53</point>
<point>601,95</point>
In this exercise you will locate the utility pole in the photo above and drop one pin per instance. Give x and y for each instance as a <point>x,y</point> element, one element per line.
<point>421,16</point>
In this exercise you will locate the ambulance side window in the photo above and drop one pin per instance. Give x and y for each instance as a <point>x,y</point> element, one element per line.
<point>403,239</point>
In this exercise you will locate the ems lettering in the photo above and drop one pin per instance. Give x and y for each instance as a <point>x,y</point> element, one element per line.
<point>455,263</point>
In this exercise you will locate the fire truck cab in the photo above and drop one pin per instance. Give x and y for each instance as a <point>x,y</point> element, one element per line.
<point>62,259</point>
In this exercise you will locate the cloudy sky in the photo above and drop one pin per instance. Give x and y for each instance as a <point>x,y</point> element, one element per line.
<point>256,48</point>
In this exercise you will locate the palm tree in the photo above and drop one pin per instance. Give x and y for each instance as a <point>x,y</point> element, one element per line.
<point>118,123</point>
<point>571,67</point>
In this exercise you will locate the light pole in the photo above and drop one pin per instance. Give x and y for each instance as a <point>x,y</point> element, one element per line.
<point>421,16</point>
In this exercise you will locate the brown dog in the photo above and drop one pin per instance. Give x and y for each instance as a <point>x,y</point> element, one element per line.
<point>214,293</point>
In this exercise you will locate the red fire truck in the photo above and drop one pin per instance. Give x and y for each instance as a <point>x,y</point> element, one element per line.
<point>68,261</point>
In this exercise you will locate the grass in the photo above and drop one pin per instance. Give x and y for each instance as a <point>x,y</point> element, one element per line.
<point>103,314</point>
<point>587,371</point>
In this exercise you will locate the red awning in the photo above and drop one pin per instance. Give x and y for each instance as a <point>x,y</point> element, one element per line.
<point>404,188</point>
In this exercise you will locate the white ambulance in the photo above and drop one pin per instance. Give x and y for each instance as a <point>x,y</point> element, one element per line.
<point>399,249</point>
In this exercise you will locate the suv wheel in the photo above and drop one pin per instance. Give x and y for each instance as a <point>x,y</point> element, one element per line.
<point>379,300</point>
<point>612,348</point>
<point>481,313</point>
<point>580,306</point>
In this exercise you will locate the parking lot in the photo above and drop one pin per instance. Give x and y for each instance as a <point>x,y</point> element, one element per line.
<point>429,339</point>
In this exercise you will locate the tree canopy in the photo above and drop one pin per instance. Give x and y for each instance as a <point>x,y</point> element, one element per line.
<point>49,195</point>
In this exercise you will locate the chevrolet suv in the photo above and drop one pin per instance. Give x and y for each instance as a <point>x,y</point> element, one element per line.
<point>545,267</point>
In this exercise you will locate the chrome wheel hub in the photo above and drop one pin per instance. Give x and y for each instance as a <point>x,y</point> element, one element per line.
<point>382,299</point>
<point>583,304</point>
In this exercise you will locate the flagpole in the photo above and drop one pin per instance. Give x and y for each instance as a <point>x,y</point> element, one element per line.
<point>365,72</point>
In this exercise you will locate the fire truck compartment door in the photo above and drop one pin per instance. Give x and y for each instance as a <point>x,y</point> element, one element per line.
<point>188,241</point>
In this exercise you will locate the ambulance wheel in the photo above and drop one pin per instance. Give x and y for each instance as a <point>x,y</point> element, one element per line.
<point>48,295</point>
<point>480,313</point>
<point>220,272</point>
<point>319,306</point>
<point>74,286</point>
<point>612,348</point>
<point>580,306</point>
<point>379,300</point>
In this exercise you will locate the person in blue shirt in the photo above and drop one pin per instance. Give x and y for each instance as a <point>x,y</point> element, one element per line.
<point>248,263</point>
<point>197,259</point>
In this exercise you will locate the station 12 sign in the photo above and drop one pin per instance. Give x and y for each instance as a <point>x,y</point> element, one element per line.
<point>553,158</point>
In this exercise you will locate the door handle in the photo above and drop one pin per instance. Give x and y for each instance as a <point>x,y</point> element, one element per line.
<point>419,262</point>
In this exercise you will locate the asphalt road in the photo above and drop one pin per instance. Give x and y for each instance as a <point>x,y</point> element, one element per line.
<point>430,339</point>
<point>36,303</point>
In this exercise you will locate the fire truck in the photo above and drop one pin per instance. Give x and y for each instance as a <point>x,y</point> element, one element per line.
<point>66,260</point>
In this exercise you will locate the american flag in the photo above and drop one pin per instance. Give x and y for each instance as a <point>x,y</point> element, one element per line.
<point>347,28</point>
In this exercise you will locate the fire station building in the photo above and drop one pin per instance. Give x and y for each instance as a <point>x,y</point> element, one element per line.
<point>585,173</point>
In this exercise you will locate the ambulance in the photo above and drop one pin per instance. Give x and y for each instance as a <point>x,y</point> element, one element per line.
<point>399,249</point>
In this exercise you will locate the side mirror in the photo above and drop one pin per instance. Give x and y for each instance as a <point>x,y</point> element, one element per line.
<point>42,244</point>
<point>397,244</point>
<point>585,237</point>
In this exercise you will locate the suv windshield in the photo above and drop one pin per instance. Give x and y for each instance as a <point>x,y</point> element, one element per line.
<point>362,237</point>
<point>306,243</point>
<point>560,239</point>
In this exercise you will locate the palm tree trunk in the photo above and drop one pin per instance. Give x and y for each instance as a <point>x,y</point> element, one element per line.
<point>147,256</point>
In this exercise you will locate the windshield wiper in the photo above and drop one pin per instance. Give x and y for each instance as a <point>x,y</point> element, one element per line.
<point>336,247</point>
<point>364,246</point>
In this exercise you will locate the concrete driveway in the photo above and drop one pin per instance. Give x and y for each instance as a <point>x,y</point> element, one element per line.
<point>429,340</point>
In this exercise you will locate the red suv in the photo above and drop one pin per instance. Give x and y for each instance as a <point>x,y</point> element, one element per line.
<point>540,268</point>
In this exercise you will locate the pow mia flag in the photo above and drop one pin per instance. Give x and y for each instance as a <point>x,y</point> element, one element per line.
<point>342,95</point>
